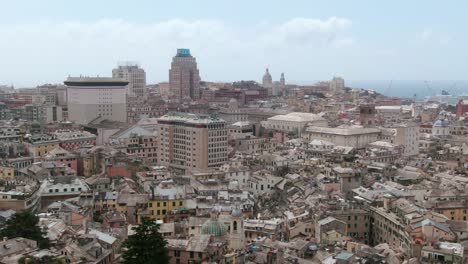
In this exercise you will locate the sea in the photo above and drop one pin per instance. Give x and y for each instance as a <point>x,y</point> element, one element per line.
<point>410,88</point>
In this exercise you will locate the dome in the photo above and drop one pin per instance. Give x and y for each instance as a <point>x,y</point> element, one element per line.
<point>267,79</point>
<point>441,123</point>
<point>214,228</point>
<point>236,212</point>
<point>233,101</point>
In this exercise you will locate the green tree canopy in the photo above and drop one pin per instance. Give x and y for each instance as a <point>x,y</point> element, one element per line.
<point>43,260</point>
<point>25,224</point>
<point>146,246</point>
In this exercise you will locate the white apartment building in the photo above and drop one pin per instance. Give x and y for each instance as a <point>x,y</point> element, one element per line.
<point>355,137</point>
<point>136,78</point>
<point>294,122</point>
<point>91,97</point>
<point>337,85</point>
<point>192,142</point>
<point>406,135</point>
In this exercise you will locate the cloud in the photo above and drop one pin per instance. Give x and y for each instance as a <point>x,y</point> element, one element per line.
<point>428,35</point>
<point>50,51</point>
<point>308,31</point>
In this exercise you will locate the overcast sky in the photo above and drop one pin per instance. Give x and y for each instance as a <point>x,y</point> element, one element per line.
<point>45,41</point>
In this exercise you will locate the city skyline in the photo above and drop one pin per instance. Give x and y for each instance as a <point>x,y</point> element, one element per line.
<point>52,40</point>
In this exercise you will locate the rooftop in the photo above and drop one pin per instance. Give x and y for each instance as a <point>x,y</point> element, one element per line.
<point>343,131</point>
<point>297,117</point>
<point>95,81</point>
<point>189,118</point>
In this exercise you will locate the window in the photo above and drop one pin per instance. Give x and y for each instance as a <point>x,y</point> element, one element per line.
<point>192,255</point>
<point>180,203</point>
<point>173,203</point>
<point>200,255</point>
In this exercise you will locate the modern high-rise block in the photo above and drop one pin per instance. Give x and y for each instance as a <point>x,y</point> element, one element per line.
<point>91,97</point>
<point>184,77</point>
<point>337,85</point>
<point>135,76</point>
<point>192,142</point>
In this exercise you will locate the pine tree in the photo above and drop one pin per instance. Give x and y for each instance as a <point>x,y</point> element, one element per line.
<point>25,224</point>
<point>146,246</point>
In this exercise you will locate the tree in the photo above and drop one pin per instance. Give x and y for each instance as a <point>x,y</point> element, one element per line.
<point>147,245</point>
<point>43,260</point>
<point>25,224</point>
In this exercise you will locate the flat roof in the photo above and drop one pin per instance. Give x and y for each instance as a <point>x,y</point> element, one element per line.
<point>343,131</point>
<point>95,81</point>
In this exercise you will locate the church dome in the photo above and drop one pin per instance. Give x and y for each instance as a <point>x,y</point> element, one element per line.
<point>267,79</point>
<point>236,212</point>
<point>214,228</point>
<point>441,123</point>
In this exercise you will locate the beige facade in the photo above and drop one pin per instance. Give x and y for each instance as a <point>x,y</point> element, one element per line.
<point>349,137</point>
<point>90,98</point>
<point>294,122</point>
<point>192,142</point>
<point>405,135</point>
<point>136,78</point>
<point>184,77</point>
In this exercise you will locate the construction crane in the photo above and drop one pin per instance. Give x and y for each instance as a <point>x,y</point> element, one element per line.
<point>429,88</point>
<point>450,89</point>
<point>388,88</point>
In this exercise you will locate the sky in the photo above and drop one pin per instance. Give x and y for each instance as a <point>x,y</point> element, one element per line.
<point>46,41</point>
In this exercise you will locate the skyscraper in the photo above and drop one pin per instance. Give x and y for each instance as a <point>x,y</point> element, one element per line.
<point>337,85</point>
<point>282,80</point>
<point>135,76</point>
<point>184,77</point>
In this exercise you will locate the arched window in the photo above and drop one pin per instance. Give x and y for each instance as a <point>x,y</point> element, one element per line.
<point>235,226</point>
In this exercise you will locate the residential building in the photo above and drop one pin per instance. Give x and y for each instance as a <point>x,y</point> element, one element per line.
<point>39,145</point>
<point>72,140</point>
<point>337,85</point>
<point>135,76</point>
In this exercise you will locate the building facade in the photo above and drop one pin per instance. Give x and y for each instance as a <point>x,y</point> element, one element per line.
<point>135,76</point>
<point>89,98</point>
<point>184,77</point>
<point>192,142</point>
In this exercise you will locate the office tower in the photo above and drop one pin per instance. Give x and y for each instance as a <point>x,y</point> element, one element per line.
<point>89,98</point>
<point>337,85</point>
<point>135,76</point>
<point>192,142</point>
<point>184,77</point>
